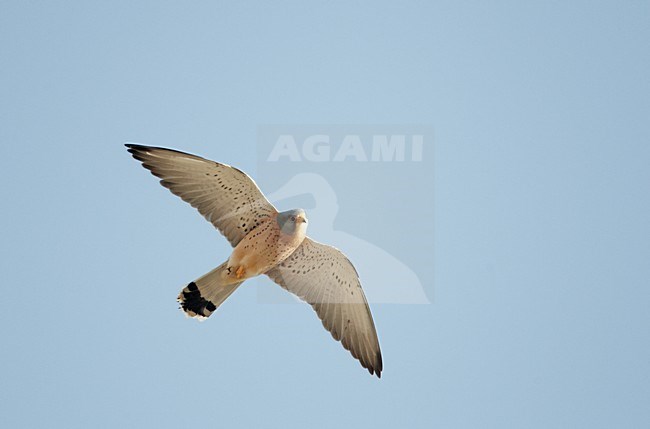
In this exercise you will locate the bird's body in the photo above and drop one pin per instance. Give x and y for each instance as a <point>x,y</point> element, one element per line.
<point>267,242</point>
<point>267,245</point>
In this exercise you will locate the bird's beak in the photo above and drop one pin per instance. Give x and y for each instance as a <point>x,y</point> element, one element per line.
<point>302,219</point>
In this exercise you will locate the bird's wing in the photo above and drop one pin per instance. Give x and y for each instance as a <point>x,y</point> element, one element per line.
<point>324,277</point>
<point>224,195</point>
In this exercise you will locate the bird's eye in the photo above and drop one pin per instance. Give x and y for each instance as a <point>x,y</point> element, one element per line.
<point>293,218</point>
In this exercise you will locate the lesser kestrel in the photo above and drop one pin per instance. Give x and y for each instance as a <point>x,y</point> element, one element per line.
<point>267,242</point>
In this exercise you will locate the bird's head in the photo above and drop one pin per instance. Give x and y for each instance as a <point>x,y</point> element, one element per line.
<point>293,221</point>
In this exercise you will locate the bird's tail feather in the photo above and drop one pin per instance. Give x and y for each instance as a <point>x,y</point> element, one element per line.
<point>204,295</point>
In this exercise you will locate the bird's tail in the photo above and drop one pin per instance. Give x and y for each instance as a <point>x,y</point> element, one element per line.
<point>204,295</point>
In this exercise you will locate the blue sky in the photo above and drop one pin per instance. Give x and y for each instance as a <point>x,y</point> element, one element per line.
<point>539,226</point>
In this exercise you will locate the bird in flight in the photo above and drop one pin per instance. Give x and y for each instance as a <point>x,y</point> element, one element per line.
<point>268,242</point>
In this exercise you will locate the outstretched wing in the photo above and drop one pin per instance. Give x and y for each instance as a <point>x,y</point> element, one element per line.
<point>224,195</point>
<point>324,277</point>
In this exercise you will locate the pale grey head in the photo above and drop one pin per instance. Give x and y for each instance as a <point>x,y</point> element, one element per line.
<point>292,221</point>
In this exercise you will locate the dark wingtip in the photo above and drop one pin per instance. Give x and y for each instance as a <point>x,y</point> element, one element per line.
<point>374,371</point>
<point>139,153</point>
<point>135,150</point>
<point>380,364</point>
<point>134,147</point>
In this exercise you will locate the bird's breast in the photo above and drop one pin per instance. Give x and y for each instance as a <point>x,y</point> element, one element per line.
<point>263,248</point>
